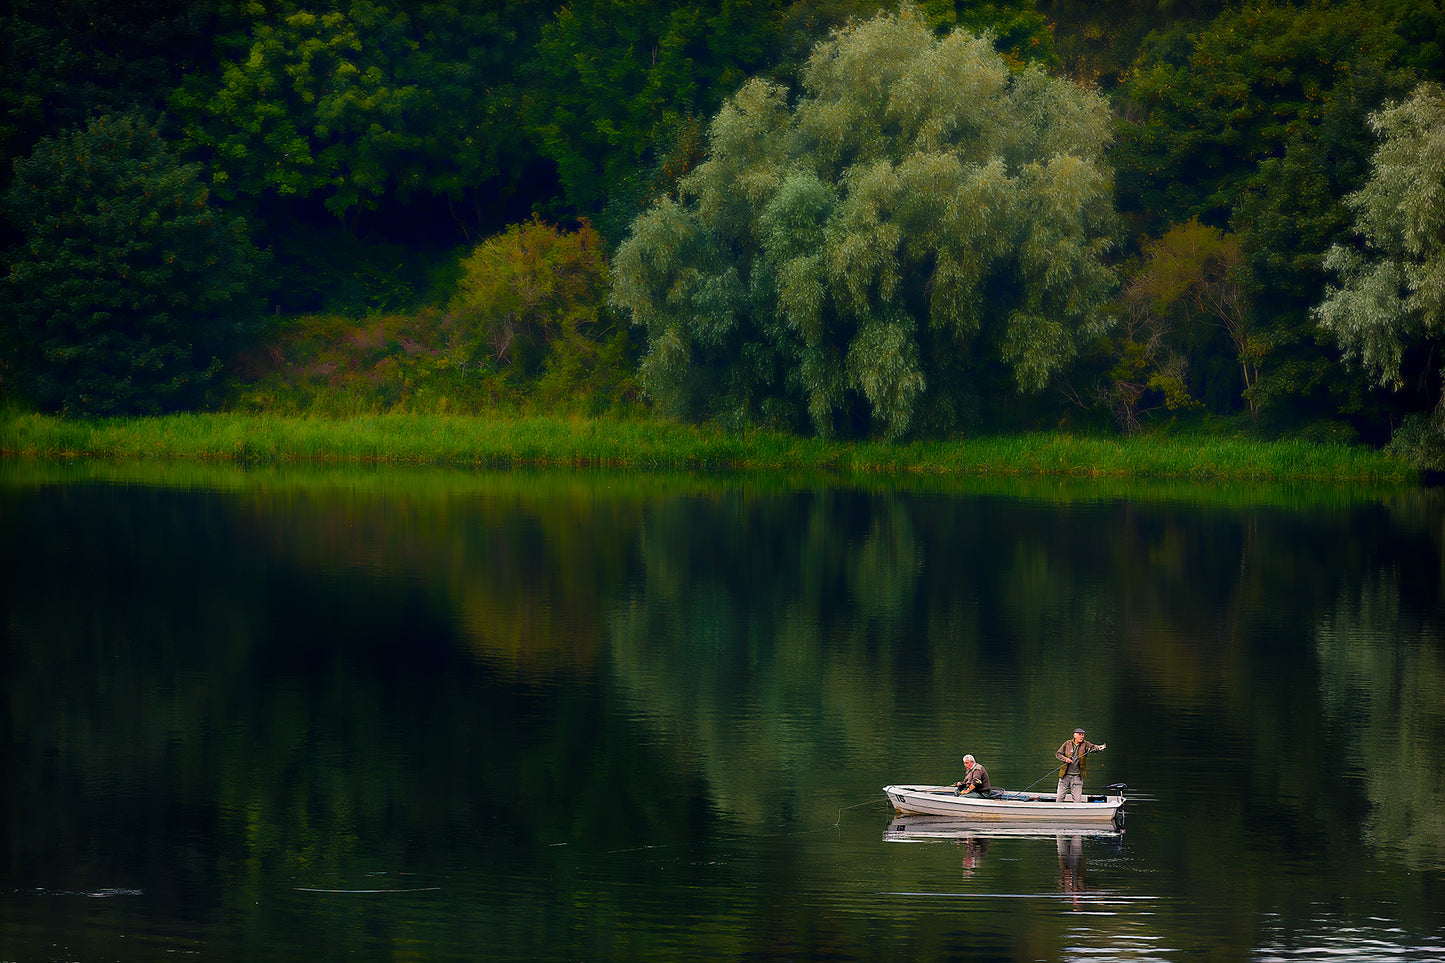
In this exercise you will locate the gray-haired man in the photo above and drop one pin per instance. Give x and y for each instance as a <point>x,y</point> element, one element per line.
<point>975,781</point>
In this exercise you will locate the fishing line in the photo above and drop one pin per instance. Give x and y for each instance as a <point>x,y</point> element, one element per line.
<point>868,802</point>
<point>795,832</point>
<point>776,835</point>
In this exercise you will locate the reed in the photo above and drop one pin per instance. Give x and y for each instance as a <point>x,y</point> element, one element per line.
<point>540,441</point>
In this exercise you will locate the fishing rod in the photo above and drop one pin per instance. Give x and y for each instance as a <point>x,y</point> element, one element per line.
<point>1051,771</point>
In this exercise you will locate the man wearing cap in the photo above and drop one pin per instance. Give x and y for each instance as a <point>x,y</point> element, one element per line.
<point>1073,770</point>
<point>974,780</point>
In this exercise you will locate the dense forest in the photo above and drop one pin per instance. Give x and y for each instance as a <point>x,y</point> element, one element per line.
<point>838,217</point>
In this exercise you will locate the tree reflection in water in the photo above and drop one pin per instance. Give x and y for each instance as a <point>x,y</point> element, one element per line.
<point>620,716</point>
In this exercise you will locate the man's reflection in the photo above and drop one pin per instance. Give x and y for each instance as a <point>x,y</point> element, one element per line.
<point>974,849</point>
<point>1071,864</point>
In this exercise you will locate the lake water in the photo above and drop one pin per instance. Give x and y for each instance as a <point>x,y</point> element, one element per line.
<point>310,714</point>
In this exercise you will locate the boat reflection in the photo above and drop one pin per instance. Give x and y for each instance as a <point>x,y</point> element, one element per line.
<point>918,828</point>
<point>975,838</point>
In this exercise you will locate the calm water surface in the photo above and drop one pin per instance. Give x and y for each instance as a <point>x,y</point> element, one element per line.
<point>387,715</point>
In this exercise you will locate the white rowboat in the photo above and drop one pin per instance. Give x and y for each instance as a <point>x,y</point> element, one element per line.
<point>1007,806</point>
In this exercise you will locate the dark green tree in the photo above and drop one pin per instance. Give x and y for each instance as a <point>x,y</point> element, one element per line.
<point>1095,41</point>
<point>1259,127</point>
<point>615,80</point>
<point>63,61</point>
<point>1421,26</point>
<point>128,287</point>
<point>1253,80</point>
<point>363,103</point>
<point>1287,217</point>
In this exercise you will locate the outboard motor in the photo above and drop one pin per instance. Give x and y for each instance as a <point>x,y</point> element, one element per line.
<point>1117,789</point>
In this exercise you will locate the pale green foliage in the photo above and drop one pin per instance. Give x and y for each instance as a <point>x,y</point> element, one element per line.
<point>882,362</point>
<point>1394,292</point>
<point>853,249</point>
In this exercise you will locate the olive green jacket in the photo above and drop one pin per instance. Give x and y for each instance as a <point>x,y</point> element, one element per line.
<point>1070,751</point>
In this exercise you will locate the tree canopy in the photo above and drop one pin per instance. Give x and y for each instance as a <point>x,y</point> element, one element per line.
<point>129,287</point>
<point>862,254</point>
<point>891,236</point>
<point>65,61</point>
<point>1257,123</point>
<point>1391,294</point>
<point>1198,125</point>
<point>359,102</point>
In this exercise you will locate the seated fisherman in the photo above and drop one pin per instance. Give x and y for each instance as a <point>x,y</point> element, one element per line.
<point>975,780</point>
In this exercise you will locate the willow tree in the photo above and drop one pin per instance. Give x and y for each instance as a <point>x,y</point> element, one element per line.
<point>875,249</point>
<point>1392,292</point>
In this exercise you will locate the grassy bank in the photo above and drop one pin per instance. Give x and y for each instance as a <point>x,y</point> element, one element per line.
<point>467,441</point>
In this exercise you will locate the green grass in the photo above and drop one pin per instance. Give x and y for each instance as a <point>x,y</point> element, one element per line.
<point>465,441</point>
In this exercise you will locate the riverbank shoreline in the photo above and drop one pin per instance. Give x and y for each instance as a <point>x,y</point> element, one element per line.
<point>463,441</point>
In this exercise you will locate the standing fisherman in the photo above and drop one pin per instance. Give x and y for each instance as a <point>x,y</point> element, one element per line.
<point>1073,770</point>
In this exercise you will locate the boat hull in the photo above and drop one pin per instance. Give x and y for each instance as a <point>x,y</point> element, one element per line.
<point>1010,807</point>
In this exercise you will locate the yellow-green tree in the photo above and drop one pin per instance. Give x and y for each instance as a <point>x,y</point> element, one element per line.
<point>1192,283</point>
<point>530,305</point>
